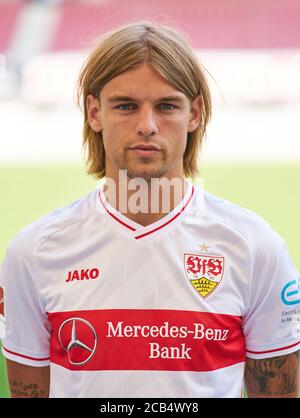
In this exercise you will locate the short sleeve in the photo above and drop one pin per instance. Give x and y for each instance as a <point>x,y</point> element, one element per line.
<point>272,323</point>
<point>26,333</point>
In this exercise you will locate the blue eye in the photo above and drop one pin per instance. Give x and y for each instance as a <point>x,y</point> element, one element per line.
<point>167,106</point>
<point>126,106</point>
<point>132,106</point>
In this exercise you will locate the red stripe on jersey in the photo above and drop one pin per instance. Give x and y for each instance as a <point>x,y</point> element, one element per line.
<point>142,339</point>
<point>114,216</point>
<point>274,350</point>
<point>1,301</point>
<point>22,355</point>
<point>170,220</point>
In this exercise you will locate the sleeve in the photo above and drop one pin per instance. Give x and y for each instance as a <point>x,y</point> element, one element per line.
<point>271,324</point>
<point>26,331</point>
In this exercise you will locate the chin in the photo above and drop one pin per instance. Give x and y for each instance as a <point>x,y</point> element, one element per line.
<point>145,174</point>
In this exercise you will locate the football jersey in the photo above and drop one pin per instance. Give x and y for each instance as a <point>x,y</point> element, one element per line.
<point>171,309</point>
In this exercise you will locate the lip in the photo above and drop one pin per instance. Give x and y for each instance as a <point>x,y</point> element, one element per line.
<point>146,147</point>
<point>143,150</point>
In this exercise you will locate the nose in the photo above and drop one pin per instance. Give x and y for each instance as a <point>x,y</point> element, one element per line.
<point>146,123</point>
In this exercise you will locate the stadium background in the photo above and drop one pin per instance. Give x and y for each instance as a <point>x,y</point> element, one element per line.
<point>251,50</point>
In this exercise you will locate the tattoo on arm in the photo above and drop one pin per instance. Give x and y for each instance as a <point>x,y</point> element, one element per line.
<point>20,389</point>
<point>273,377</point>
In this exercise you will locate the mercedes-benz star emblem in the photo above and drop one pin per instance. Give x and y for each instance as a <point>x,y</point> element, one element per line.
<point>79,339</point>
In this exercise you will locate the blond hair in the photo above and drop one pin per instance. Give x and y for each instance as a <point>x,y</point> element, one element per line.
<point>169,53</point>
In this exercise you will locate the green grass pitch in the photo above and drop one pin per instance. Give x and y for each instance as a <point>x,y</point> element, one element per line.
<point>30,191</point>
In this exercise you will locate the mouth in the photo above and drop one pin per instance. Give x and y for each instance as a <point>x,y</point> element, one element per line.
<point>143,150</point>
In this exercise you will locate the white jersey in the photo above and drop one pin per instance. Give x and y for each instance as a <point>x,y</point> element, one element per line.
<point>166,310</point>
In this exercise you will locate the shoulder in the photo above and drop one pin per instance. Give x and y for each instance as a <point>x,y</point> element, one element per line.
<point>250,226</point>
<point>32,236</point>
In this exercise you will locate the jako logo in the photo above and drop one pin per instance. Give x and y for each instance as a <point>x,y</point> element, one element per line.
<point>83,274</point>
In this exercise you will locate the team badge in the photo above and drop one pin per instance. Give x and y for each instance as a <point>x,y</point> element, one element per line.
<point>204,272</point>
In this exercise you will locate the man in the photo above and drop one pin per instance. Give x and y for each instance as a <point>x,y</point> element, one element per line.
<point>150,287</point>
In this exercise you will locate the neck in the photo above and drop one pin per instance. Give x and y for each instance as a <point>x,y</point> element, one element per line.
<point>144,201</point>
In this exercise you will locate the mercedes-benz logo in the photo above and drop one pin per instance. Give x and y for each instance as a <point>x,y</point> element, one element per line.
<point>79,339</point>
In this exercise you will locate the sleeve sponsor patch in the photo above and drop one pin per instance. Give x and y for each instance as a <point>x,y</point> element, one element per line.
<point>290,294</point>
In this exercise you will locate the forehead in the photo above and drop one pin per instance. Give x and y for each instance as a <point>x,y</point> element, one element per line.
<point>140,82</point>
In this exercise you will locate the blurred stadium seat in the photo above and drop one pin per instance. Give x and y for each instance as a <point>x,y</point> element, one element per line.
<point>224,31</point>
<point>209,23</point>
<point>212,24</point>
<point>251,49</point>
<point>9,12</point>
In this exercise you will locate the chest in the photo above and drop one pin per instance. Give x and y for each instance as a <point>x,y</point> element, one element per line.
<point>176,271</point>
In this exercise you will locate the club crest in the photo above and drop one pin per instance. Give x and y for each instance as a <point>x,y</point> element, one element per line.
<point>204,272</point>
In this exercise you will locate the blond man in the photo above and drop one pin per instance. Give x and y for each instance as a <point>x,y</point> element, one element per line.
<point>150,286</point>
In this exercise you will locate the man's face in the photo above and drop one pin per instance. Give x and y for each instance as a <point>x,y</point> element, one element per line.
<point>144,122</point>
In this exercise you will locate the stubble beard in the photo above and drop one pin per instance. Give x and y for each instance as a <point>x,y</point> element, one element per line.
<point>155,170</point>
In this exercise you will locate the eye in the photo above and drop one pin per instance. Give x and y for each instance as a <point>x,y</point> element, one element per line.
<point>126,106</point>
<point>166,106</point>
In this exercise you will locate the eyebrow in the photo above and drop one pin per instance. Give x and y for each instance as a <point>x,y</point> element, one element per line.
<point>115,99</point>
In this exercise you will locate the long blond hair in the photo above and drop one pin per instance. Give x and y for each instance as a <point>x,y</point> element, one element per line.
<point>165,50</point>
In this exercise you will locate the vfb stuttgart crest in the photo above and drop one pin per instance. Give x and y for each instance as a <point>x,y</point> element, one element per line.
<point>205,272</point>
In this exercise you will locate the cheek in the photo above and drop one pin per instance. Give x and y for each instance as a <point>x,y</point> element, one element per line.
<point>176,123</point>
<point>115,128</point>
<point>111,133</point>
<point>177,142</point>
<point>177,134</point>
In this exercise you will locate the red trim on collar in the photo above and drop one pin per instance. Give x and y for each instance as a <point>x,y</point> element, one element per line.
<point>153,230</point>
<point>170,220</point>
<point>115,217</point>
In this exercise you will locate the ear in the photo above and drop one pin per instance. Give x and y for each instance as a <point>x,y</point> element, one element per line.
<point>93,109</point>
<point>195,114</point>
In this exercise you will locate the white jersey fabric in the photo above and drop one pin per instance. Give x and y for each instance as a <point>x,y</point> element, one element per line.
<point>167,310</point>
